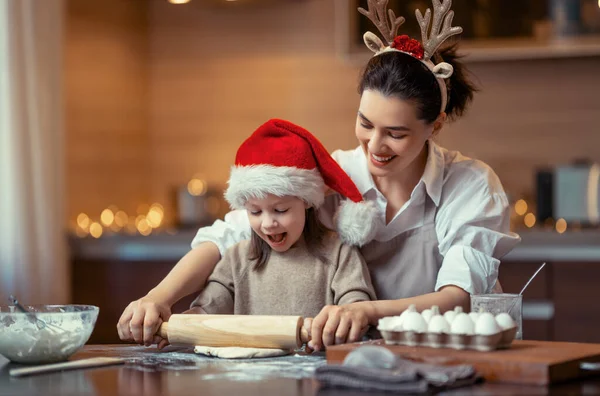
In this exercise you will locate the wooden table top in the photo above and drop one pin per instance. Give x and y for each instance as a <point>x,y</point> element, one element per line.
<point>180,372</point>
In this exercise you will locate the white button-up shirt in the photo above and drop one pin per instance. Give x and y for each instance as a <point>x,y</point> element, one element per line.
<point>471,216</point>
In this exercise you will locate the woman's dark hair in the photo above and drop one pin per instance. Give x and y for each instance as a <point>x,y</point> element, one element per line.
<point>313,233</point>
<point>396,74</point>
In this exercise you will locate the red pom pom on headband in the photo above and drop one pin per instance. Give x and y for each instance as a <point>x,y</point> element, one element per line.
<point>409,45</point>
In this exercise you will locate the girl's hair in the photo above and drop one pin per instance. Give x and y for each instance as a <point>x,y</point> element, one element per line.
<point>313,233</point>
<point>396,74</point>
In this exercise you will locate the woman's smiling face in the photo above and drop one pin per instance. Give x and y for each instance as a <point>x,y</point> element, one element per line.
<point>390,133</point>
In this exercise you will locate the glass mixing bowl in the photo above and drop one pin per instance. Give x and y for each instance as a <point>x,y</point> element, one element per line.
<point>47,333</point>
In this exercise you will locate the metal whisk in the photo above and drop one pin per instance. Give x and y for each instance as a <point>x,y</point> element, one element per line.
<point>41,324</point>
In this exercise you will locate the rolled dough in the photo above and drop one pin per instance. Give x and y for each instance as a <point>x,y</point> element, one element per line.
<point>240,353</point>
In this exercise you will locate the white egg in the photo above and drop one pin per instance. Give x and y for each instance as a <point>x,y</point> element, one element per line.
<point>386,323</point>
<point>486,324</point>
<point>449,316</point>
<point>414,322</point>
<point>505,321</point>
<point>396,324</point>
<point>437,324</point>
<point>427,314</point>
<point>474,316</point>
<point>462,324</point>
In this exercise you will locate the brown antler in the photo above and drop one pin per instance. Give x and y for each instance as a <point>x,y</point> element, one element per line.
<point>441,13</point>
<point>377,15</point>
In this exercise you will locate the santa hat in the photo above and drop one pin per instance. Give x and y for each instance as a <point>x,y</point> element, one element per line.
<point>283,159</point>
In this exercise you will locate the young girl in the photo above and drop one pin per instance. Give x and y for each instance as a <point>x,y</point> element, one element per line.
<point>292,265</point>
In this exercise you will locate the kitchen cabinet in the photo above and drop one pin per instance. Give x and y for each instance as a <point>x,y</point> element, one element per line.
<point>112,285</point>
<point>576,292</point>
<point>561,304</point>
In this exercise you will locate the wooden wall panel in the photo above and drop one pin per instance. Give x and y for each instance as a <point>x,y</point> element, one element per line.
<point>218,73</point>
<point>531,114</point>
<point>158,94</point>
<point>106,54</point>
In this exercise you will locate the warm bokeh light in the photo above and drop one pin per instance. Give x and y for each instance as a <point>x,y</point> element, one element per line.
<point>521,207</point>
<point>95,230</point>
<point>529,220</point>
<point>121,218</point>
<point>115,220</point>
<point>155,217</point>
<point>107,217</point>
<point>196,187</point>
<point>158,207</point>
<point>138,219</point>
<point>179,1</point>
<point>83,221</point>
<point>143,227</point>
<point>561,226</point>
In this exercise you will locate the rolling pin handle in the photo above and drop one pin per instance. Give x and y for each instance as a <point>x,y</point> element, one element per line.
<point>304,337</point>
<point>163,330</point>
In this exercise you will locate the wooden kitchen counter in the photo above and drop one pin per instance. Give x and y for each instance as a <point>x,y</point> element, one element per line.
<point>180,372</point>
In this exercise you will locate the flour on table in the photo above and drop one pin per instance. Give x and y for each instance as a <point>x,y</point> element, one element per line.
<point>179,358</point>
<point>239,352</point>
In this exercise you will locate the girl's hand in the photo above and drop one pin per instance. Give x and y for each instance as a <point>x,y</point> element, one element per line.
<point>141,319</point>
<point>338,325</point>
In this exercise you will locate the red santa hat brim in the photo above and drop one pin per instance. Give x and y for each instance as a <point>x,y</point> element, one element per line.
<point>256,181</point>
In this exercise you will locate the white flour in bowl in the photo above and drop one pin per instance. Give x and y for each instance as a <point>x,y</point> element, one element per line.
<point>23,342</point>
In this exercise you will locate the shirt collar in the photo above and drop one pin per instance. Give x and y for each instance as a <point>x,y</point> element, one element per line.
<point>432,176</point>
<point>363,178</point>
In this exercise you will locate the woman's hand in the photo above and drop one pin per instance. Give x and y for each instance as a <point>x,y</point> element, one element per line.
<point>337,324</point>
<point>141,319</point>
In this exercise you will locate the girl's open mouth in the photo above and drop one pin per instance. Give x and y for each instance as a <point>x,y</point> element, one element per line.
<point>277,239</point>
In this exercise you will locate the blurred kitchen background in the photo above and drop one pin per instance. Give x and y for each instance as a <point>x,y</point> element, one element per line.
<point>120,119</point>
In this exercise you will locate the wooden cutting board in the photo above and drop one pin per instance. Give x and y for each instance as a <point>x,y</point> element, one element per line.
<point>526,362</point>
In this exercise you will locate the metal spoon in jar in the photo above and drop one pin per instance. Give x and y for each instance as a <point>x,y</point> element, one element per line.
<point>527,284</point>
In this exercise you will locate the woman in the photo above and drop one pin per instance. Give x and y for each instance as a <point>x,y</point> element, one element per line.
<point>446,216</point>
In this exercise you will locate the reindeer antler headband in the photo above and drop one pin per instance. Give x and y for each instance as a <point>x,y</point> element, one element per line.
<point>430,41</point>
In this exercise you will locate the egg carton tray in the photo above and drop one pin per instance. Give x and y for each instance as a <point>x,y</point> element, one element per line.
<point>484,343</point>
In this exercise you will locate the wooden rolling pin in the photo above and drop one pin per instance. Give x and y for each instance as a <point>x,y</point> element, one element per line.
<point>251,331</point>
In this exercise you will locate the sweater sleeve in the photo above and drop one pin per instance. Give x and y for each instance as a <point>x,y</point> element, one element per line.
<point>218,295</point>
<point>351,281</point>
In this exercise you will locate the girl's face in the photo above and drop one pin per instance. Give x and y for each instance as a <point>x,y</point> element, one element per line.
<point>390,134</point>
<point>279,221</point>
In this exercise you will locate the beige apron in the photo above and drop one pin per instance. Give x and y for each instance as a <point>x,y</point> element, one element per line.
<point>408,264</point>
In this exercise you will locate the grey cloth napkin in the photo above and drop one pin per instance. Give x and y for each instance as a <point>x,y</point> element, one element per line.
<point>374,368</point>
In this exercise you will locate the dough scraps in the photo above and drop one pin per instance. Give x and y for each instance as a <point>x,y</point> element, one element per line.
<point>239,352</point>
